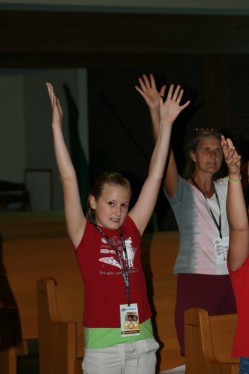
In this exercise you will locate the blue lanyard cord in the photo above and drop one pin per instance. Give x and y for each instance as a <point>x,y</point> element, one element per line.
<point>217,224</point>
<point>125,272</point>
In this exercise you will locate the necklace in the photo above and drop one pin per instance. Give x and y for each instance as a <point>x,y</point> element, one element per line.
<point>207,194</point>
<point>217,223</point>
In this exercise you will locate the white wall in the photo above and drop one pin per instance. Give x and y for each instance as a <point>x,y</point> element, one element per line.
<point>12,127</point>
<point>25,131</point>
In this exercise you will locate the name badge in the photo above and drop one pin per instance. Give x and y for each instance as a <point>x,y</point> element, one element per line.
<point>129,320</point>
<point>221,248</point>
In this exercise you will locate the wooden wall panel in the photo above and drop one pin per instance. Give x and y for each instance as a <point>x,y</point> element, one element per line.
<point>215,70</point>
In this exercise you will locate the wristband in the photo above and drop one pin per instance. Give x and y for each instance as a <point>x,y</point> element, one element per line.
<point>234,180</point>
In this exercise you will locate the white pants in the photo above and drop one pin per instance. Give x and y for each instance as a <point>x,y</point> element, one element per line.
<point>127,358</point>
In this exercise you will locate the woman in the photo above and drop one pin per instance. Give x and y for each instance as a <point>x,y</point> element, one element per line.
<point>199,205</point>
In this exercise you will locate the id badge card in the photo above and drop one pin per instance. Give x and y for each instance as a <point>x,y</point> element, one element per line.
<point>129,320</point>
<point>221,248</point>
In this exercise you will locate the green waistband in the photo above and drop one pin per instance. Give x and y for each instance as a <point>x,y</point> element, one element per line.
<point>106,337</point>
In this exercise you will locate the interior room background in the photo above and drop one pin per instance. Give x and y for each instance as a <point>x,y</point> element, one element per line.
<point>106,122</point>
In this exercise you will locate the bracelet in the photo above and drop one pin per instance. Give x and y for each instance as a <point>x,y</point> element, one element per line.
<point>234,180</point>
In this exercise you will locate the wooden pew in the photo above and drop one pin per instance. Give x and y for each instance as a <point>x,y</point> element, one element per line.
<point>36,245</point>
<point>159,251</point>
<point>208,342</point>
<point>23,262</point>
<point>27,225</point>
<point>60,312</point>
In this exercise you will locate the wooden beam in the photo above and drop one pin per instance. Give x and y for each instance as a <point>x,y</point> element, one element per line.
<point>85,39</point>
<point>108,33</point>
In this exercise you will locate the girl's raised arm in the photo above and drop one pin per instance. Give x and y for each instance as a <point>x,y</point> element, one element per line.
<point>75,219</point>
<point>169,110</point>
<point>236,208</point>
<point>151,95</point>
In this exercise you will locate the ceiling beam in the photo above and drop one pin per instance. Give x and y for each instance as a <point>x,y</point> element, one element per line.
<point>84,37</point>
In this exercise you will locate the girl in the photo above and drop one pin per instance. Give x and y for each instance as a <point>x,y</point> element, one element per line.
<point>117,326</point>
<point>238,254</point>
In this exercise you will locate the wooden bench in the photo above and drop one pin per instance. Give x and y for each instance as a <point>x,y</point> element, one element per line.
<point>208,342</point>
<point>23,267</point>
<point>159,252</point>
<point>27,225</point>
<point>35,246</point>
<point>60,312</point>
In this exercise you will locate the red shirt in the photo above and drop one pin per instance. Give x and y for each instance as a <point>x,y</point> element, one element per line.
<point>103,280</point>
<point>240,282</point>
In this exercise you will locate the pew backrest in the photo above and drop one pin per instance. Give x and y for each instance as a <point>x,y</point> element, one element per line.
<point>60,312</point>
<point>23,263</point>
<point>208,342</point>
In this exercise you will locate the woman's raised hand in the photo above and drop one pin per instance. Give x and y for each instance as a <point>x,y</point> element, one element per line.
<point>149,91</point>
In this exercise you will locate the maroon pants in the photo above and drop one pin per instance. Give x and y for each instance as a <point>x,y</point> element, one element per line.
<point>211,292</point>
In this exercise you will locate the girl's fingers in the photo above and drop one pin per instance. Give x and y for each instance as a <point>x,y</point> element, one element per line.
<point>170,93</point>
<point>185,105</point>
<point>162,91</point>
<point>141,82</point>
<point>176,93</point>
<point>179,98</point>
<point>152,81</point>
<point>139,90</point>
<point>146,81</point>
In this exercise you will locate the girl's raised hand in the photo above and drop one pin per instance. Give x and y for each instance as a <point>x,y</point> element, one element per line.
<point>57,112</point>
<point>171,108</point>
<point>149,91</point>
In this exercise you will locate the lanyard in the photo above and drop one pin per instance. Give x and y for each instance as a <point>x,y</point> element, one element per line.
<point>217,224</point>
<point>125,272</point>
